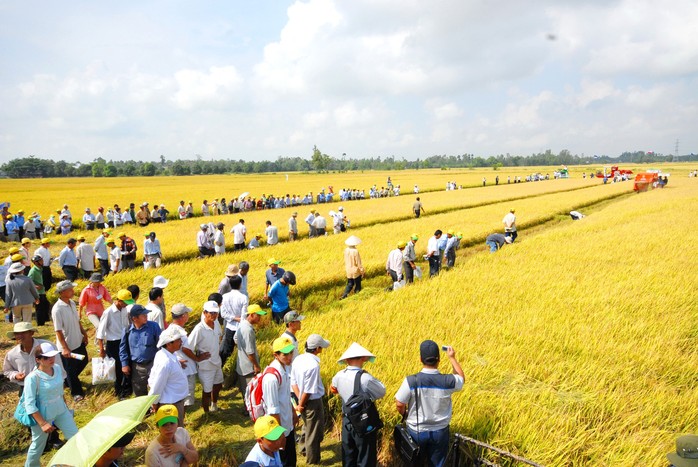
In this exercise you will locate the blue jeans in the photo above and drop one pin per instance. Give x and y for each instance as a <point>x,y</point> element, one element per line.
<point>493,246</point>
<point>433,446</point>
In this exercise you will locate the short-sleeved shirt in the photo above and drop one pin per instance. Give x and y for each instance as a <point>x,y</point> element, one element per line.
<point>435,406</point>
<point>65,319</point>
<point>344,382</point>
<point>93,299</point>
<point>271,277</point>
<point>276,397</point>
<point>206,339</point>
<point>234,305</point>
<point>279,297</point>
<point>272,235</point>
<point>239,231</point>
<point>246,340</point>
<point>305,373</point>
<point>112,324</point>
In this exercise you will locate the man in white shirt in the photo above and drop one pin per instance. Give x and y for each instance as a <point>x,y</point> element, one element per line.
<point>111,328</point>
<point>71,337</point>
<point>239,232</point>
<point>393,266</point>
<point>182,211</point>
<point>219,239</point>
<point>203,242</point>
<point>101,252</point>
<point>272,234</point>
<point>509,222</point>
<point>433,253</point>
<point>338,220</point>
<point>293,227</point>
<point>167,379</point>
<point>308,388</point>
<point>155,312</point>
<point>86,257</point>
<point>88,219</point>
<point>309,220</point>
<point>276,395</point>
<point>320,224</point>
<point>233,307</point>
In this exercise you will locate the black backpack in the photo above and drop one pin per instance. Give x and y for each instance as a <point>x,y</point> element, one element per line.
<point>361,410</point>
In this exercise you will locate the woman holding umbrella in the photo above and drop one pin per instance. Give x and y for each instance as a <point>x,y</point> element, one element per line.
<point>44,401</point>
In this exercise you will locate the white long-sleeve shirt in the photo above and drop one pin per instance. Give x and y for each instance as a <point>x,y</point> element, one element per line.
<point>167,378</point>
<point>394,262</point>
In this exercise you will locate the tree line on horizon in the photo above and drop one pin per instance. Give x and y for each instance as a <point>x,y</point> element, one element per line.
<point>35,167</point>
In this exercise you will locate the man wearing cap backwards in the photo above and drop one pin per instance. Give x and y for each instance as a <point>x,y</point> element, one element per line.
<point>509,222</point>
<point>233,307</point>
<point>292,320</point>
<point>276,396</point>
<point>206,338</point>
<point>352,264</point>
<point>450,250</point>
<point>137,349</point>
<point>43,308</point>
<point>409,256</point>
<point>128,251</point>
<point>273,274</point>
<point>203,242</point>
<point>239,232</point>
<point>309,220</point>
<point>246,340</point>
<point>152,253</point>
<point>496,241</point>
<point>71,337</point>
<point>68,261</point>
<point>393,266</point>
<point>357,450</point>
<point>112,324</point>
<point>308,388</point>
<point>293,227</point>
<point>45,254</point>
<point>167,378</point>
<point>101,252</point>
<point>86,257</point>
<point>424,401</point>
<point>219,239</point>
<point>270,439</point>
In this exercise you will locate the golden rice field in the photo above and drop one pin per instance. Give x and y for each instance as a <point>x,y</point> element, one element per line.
<point>579,341</point>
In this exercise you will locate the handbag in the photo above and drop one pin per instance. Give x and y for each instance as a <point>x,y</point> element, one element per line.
<point>405,445</point>
<point>21,414</point>
<point>103,370</point>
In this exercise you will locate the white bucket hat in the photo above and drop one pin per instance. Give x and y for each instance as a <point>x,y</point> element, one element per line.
<point>160,282</point>
<point>170,334</point>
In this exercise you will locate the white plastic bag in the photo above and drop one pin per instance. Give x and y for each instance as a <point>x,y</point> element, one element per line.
<point>398,285</point>
<point>103,370</point>
<point>418,272</point>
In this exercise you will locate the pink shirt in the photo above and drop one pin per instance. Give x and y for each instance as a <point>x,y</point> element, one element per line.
<point>93,299</point>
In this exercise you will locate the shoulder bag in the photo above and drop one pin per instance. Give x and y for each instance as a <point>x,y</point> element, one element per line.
<point>405,445</point>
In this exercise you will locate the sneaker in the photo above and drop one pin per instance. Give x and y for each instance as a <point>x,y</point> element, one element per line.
<point>78,398</point>
<point>214,407</point>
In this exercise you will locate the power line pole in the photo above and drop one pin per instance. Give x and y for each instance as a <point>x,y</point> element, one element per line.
<point>676,151</point>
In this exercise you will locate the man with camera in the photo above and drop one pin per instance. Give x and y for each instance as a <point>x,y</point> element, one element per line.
<point>424,401</point>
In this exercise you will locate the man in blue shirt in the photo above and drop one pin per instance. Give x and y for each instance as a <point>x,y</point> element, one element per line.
<point>273,274</point>
<point>12,229</point>
<point>278,294</point>
<point>68,261</point>
<point>138,348</point>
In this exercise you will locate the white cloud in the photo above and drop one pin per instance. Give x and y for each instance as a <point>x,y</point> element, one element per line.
<point>214,89</point>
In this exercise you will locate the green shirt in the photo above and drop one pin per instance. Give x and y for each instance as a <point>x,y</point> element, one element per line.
<point>35,274</point>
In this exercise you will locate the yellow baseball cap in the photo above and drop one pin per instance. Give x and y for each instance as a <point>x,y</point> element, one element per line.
<point>267,427</point>
<point>401,244</point>
<point>17,257</point>
<point>255,309</point>
<point>271,261</point>
<point>125,296</point>
<point>26,240</point>
<point>13,250</point>
<point>414,237</point>
<point>167,414</point>
<point>121,234</point>
<point>282,344</point>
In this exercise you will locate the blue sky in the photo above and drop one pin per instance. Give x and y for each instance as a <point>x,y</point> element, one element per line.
<point>258,80</point>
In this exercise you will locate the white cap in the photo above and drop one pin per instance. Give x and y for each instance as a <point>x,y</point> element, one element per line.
<point>47,350</point>
<point>212,307</point>
<point>170,334</point>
